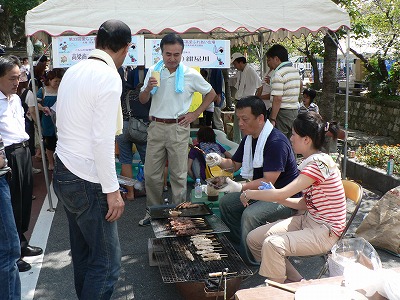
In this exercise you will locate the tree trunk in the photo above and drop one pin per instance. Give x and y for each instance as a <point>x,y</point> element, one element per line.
<point>316,79</point>
<point>5,37</point>
<point>329,83</point>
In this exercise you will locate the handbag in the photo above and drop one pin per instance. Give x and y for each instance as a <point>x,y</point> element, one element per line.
<point>137,129</point>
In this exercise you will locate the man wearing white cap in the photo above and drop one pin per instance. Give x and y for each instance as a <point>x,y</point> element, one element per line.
<point>248,84</point>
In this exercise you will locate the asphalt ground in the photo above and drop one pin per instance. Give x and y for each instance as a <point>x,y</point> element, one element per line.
<point>138,280</point>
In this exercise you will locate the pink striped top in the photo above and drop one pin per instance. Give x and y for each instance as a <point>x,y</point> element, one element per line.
<point>325,198</point>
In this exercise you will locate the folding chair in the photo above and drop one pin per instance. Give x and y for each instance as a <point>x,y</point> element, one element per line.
<point>353,192</point>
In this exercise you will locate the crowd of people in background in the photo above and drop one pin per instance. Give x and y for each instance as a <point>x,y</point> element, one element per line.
<point>271,126</point>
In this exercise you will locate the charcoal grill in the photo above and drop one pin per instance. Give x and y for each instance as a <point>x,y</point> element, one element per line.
<point>176,267</point>
<point>192,278</point>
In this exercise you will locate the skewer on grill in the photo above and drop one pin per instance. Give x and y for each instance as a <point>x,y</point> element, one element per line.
<point>205,251</point>
<point>204,244</point>
<point>174,213</point>
<point>189,255</point>
<point>187,204</point>
<point>208,236</point>
<point>219,274</point>
<point>204,247</point>
<point>215,256</point>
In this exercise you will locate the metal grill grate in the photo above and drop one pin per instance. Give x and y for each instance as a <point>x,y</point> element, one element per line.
<point>176,267</point>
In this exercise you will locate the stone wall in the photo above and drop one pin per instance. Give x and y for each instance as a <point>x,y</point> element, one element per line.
<point>371,177</point>
<point>367,115</point>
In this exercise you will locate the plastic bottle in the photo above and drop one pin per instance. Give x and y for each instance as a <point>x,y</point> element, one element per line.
<point>198,193</point>
<point>390,165</point>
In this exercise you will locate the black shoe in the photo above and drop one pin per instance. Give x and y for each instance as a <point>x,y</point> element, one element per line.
<point>31,251</point>
<point>23,266</point>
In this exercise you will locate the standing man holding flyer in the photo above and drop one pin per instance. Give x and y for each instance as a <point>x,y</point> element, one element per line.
<point>171,85</point>
<point>85,181</point>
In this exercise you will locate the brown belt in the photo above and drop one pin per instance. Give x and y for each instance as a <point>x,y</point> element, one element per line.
<point>166,121</point>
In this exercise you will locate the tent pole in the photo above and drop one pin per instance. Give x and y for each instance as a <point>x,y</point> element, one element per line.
<point>29,47</point>
<point>262,41</point>
<point>346,110</point>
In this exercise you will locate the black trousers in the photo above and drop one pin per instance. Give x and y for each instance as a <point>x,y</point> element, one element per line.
<point>21,186</point>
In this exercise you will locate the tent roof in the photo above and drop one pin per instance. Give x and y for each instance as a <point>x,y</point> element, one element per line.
<point>225,19</point>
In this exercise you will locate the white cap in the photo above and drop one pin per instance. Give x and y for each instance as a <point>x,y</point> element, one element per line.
<point>235,56</point>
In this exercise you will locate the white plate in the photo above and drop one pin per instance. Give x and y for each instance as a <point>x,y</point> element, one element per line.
<point>327,292</point>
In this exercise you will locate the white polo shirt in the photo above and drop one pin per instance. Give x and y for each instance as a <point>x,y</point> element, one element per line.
<point>168,104</point>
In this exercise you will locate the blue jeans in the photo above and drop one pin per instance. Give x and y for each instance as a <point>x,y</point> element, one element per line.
<point>241,220</point>
<point>10,285</point>
<point>95,248</point>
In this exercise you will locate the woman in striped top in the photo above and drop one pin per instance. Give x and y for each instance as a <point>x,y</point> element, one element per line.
<point>323,206</point>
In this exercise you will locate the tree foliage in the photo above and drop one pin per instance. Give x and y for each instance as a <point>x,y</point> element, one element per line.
<point>378,21</point>
<point>12,21</point>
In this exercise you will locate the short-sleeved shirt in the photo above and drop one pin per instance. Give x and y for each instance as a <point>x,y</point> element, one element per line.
<point>312,107</point>
<point>325,199</point>
<point>285,82</point>
<point>168,104</point>
<point>278,156</point>
<point>247,83</point>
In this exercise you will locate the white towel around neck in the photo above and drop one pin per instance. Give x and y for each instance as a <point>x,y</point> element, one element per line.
<point>249,163</point>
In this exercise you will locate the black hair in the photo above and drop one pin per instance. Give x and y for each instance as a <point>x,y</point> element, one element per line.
<point>256,104</point>
<point>7,63</point>
<point>55,73</point>
<point>113,35</point>
<point>171,39</point>
<point>279,51</point>
<point>310,93</point>
<point>312,125</point>
<point>206,134</point>
<point>334,129</point>
<point>241,59</point>
<point>204,73</point>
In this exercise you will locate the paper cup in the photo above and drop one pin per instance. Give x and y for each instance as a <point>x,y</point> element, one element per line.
<point>156,75</point>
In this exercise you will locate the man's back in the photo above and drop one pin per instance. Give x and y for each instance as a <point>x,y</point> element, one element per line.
<point>87,107</point>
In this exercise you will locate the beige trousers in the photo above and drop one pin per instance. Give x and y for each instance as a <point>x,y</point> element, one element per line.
<point>296,236</point>
<point>166,142</point>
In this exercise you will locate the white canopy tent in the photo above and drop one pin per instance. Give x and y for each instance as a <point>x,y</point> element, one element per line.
<point>223,18</point>
<point>237,20</point>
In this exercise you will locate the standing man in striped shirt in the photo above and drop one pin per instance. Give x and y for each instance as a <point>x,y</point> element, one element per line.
<point>285,89</point>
